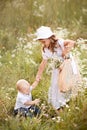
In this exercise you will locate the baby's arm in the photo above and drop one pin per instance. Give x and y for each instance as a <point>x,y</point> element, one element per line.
<point>34,102</point>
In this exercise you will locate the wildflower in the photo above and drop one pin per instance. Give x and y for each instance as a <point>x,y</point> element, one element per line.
<point>62,103</point>
<point>67,100</point>
<point>43,106</point>
<point>28,46</point>
<point>20,39</point>
<point>28,52</point>
<point>62,32</point>
<point>55,62</point>
<point>58,119</point>
<point>13,55</point>
<point>75,125</point>
<point>53,118</point>
<point>69,109</point>
<point>10,62</point>
<point>81,40</point>
<point>77,108</point>
<point>6,119</point>
<point>67,106</point>
<point>11,89</point>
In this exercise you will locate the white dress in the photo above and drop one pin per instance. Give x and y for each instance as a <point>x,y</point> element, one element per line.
<point>55,97</point>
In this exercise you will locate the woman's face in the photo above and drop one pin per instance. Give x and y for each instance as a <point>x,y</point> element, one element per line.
<point>45,42</point>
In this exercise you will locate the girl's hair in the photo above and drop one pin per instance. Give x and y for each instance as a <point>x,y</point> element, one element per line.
<point>53,43</point>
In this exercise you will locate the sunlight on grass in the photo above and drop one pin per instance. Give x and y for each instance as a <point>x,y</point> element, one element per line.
<point>23,62</point>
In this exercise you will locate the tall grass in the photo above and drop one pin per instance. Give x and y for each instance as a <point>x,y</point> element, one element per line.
<point>17,17</point>
<point>20,58</point>
<point>23,62</point>
<point>21,14</point>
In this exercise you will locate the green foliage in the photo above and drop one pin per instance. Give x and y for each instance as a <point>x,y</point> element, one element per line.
<point>20,14</point>
<point>18,17</point>
<point>23,62</point>
<point>8,39</point>
<point>20,58</point>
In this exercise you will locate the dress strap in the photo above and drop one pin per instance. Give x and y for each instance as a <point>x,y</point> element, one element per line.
<point>61,43</point>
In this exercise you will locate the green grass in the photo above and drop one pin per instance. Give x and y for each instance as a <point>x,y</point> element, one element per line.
<point>23,62</point>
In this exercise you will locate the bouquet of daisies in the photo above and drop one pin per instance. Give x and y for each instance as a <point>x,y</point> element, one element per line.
<point>54,63</point>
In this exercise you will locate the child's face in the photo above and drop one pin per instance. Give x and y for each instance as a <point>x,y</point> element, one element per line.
<point>23,86</point>
<point>45,42</point>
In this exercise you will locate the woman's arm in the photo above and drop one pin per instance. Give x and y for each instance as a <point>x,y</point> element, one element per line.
<point>41,69</point>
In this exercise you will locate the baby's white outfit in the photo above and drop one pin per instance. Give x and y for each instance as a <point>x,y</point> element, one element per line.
<point>22,98</point>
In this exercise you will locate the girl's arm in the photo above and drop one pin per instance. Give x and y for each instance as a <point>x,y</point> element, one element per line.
<point>68,45</point>
<point>41,69</point>
<point>39,73</point>
<point>35,83</point>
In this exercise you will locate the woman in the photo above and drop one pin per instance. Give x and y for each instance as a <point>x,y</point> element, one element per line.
<point>53,47</point>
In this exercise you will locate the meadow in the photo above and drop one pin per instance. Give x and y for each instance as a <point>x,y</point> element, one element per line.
<point>20,57</point>
<point>23,62</point>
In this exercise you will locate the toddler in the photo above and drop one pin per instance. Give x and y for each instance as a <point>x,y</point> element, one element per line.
<point>24,105</point>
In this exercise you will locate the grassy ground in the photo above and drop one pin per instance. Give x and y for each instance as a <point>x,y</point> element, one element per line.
<point>22,62</point>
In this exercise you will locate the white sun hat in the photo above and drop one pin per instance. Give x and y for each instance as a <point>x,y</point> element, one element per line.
<point>43,32</point>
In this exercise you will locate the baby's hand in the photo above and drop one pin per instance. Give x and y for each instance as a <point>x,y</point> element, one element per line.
<point>36,101</point>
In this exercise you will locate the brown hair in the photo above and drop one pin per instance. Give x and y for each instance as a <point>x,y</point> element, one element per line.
<point>53,43</point>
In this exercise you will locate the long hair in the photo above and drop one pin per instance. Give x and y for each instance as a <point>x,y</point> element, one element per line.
<point>53,44</point>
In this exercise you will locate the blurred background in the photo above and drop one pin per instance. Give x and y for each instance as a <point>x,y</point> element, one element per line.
<point>24,16</point>
<point>20,57</point>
